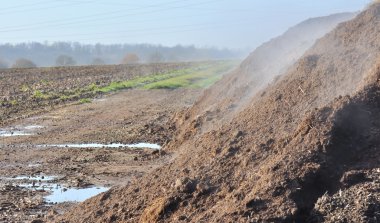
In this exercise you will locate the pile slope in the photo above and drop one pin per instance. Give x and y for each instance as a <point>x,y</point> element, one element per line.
<point>269,61</point>
<point>304,149</point>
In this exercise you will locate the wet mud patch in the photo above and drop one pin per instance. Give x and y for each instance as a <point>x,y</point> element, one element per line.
<point>54,189</point>
<point>107,158</point>
<point>38,180</point>
<point>32,196</point>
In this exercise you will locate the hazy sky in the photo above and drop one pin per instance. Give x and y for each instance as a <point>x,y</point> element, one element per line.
<point>221,23</point>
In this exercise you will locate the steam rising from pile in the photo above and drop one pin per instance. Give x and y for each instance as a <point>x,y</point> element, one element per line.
<point>271,60</point>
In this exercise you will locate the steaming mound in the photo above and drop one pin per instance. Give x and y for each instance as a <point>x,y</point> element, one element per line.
<point>297,152</point>
<point>268,61</point>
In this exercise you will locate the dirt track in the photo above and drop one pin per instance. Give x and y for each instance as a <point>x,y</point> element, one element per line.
<point>131,116</point>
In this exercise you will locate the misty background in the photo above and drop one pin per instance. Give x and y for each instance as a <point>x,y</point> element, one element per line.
<point>44,54</point>
<point>76,32</point>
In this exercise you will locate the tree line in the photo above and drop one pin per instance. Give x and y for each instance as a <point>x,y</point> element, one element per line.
<point>72,53</point>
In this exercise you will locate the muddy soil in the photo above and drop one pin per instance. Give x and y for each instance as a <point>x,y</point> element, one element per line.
<point>127,117</point>
<point>25,92</point>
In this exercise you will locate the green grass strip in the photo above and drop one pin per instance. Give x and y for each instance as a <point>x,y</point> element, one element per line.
<point>201,78</point>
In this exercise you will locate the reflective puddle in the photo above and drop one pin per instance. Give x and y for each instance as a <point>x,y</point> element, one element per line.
<point>60,195</point>
<point>55,192</point>
<point>98,145</point>
<point>34,164</point>
<point>19,131</point>
<point>34,178</point>
<point>32,127</point>
<point>4,133</point>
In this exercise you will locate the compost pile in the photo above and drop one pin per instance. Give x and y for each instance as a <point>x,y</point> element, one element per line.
<point>302,145</point>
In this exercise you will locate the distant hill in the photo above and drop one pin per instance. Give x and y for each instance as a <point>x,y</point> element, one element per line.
<point>45,55</point>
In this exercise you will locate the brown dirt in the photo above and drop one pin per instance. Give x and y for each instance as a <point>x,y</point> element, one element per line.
<point>298,152</point>
<point>125,117</point>
<point>19,86</point>
<point>130,116</point>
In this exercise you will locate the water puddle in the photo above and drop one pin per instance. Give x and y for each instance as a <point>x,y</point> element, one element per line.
<point>55,192</point>
<point>34,178</point>
<point>60,195</point>
<point>34,164</point>
<point>4,133</point>
<point>32,127</point>
<point>19,131</point>
<point>98,145</point>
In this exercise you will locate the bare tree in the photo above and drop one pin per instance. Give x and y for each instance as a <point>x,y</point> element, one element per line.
<point>23,63</point>
<point>130,58</point>
<point>65,60</point>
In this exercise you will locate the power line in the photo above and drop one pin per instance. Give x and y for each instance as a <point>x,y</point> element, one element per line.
<point>97,25</point>
<point>134,22</point>
<point>158,30</point>
<point>24,5</point>
<point>79,18</point>
<point>44,8</point>
<point>112,17</point>
<point>107,3</point>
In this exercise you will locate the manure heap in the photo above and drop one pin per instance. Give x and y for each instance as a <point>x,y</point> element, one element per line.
<point>302,145</point>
